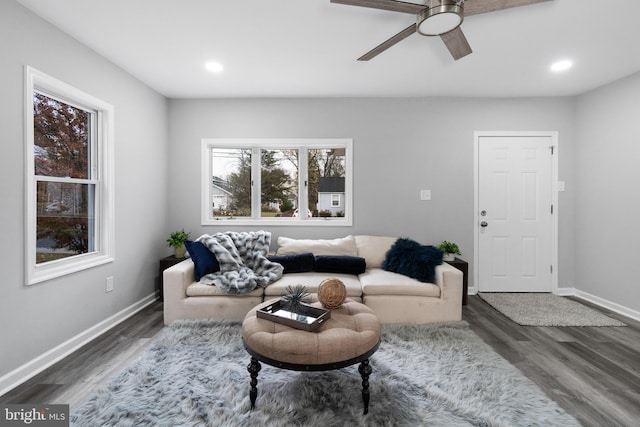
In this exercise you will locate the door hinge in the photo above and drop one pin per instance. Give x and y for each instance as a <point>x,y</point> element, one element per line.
<point>551,268</point>
<point>551,209</point>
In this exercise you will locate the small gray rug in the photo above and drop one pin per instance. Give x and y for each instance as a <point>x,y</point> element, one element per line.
<point>543,309</point>
<point>194,374</point>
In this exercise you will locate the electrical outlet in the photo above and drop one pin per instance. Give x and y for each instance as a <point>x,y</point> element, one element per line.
<point>108,284</point>
<point>425,194</point>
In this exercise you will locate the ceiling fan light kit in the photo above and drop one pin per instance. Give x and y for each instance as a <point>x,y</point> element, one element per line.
<point>439,18</point>
<point>435,18</point>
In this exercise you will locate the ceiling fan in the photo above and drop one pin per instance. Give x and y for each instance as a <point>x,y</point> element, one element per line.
<point>435,18</point>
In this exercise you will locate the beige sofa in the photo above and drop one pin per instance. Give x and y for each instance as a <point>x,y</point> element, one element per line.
<point>394,298</point>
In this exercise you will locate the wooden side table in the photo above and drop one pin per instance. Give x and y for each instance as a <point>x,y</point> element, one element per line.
<point>165,263</point>
<point>463,266</point>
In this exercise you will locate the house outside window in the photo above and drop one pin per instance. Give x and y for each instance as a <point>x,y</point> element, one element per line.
<point>331,190</point>
<point>274,181</point>
<point>69,191</point>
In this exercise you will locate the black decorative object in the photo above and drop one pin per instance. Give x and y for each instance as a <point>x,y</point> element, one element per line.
<point>295,298</point>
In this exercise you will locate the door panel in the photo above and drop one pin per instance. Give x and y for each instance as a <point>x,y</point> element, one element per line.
<point>514,186</point>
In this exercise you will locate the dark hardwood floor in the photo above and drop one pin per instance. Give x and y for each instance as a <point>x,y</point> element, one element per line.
<point>593,373</point>
<point>73,379</point>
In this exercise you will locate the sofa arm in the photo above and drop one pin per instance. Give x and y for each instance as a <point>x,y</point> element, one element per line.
<point>449,280</point>
<point>176,279</point>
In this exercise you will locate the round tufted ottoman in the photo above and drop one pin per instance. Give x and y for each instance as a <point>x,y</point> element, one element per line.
<point>350,336</point>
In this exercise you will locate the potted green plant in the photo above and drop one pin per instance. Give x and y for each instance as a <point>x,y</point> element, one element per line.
<point>176,241</point>
<point>449,250</point>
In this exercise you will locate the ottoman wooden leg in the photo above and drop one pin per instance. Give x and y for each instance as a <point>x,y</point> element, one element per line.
<point>253,368</point>
<point>365,371</point>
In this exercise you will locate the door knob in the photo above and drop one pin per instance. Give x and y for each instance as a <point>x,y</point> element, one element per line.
<point>483,224</point>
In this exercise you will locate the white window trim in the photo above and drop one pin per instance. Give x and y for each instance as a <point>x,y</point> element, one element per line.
<point>336,197</point>
<point>104,201</point>
<point>276,143</point>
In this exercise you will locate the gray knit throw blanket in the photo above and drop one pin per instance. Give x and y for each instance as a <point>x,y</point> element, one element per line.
<point>243,261</point>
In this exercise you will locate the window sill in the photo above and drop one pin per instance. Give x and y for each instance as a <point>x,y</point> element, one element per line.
<point>315,222</point>
<point>53,270</point>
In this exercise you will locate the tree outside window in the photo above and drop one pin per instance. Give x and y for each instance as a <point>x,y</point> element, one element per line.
<point>64,196</point>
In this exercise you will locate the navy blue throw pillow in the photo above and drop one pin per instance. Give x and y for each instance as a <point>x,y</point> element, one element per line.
<point>204,260</point>
<point>411,259</point>
<point>295,263</point>
<point>340,264</point>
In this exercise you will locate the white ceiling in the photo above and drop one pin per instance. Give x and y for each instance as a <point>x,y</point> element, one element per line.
<point>308,48</point>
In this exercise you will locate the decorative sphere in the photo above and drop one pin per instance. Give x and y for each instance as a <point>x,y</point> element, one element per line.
<point>332,293</point>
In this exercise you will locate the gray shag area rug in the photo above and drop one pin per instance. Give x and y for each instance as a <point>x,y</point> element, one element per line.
<point>195,374</point>
<point>543,309</point>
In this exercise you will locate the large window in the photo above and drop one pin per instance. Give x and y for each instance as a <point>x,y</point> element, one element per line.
<point>276,181</point>
<point>69,191</point>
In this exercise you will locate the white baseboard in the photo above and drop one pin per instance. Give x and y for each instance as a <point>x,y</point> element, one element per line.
<point>42,362</point>
<point>620,309</point>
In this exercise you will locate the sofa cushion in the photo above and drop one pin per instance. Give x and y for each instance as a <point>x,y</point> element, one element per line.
<point>295,263</point>
<point>376,281</point>
<point>340,264</point>
<point>204,260</point>
<point>411,259</point>
<point>374,248</point>
<point>312,281</point>
<point>197,289</point>
<point>341,246</point>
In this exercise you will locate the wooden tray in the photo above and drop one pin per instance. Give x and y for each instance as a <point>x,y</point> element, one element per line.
<point>309,319</point>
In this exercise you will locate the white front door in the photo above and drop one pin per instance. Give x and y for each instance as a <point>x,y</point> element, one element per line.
<point>515,211</point>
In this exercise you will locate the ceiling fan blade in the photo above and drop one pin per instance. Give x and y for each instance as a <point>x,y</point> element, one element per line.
<point>457,43</point>
<point>392,5</point>
<point>475,7</point>
<point>390,42</point>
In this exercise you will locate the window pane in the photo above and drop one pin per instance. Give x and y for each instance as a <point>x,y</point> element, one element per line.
<point>327,181</point>
<point>65,220</point>
<point>231,182</point>
<point>61,138</point>
<point>279,182</point>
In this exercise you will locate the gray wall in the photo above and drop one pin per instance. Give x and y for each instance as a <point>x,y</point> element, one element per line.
<point>400,146</point>
<point>37,318</point>
<point>607,202</point>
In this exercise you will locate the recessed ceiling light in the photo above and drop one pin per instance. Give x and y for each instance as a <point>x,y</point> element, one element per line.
<point>563,65</point>
<point>214,67</point>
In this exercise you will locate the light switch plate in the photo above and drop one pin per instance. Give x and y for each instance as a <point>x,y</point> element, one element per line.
<point>108,284</point>
<point>425,194</point>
